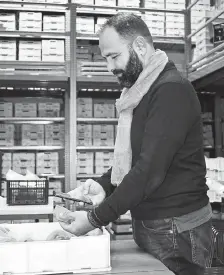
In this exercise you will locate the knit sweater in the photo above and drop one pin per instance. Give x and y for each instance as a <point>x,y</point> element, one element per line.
<point>167,178</point>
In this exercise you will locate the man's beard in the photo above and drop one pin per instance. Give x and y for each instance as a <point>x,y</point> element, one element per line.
<point>131,72</point>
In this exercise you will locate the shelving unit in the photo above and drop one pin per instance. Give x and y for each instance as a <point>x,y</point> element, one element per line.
<point>39,79</point>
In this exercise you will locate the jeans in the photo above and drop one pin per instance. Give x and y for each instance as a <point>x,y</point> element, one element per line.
<point>186,253</point>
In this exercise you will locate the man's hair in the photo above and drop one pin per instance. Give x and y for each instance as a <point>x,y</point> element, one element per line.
<point>128,26</point>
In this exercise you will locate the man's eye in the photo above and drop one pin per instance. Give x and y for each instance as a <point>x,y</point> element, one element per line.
<point>114,57</point>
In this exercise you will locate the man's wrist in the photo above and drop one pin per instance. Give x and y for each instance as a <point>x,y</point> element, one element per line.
<point>94,220</point>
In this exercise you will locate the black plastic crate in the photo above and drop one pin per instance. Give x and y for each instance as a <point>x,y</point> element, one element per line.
<point>27,192</point>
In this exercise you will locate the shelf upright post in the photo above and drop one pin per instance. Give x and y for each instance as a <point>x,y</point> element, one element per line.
<point>218,126</point>
<point>71,155</point>
<point>187,27</point>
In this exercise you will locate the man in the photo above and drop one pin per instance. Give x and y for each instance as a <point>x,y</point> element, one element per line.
<point>159,169</point>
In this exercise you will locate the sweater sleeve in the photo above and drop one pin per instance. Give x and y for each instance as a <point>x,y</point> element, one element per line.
<point>105,182</point>
<point>169,119</point>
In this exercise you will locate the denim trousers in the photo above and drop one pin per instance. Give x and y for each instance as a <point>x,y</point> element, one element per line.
<point>185,253</point>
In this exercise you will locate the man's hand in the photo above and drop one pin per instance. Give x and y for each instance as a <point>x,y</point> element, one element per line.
<point>89,190</point>
<point>76,223</point>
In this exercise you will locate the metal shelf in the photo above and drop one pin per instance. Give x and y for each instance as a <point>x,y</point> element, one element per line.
<point>27,34</point>
<point>33,4</point>
<point>131,9</point>
<point>31,148</point>
<point>33,70</point>
<point>32,77</point>
<point>156,39</point>
<point>208,73</point>
<point>43,8</point>
<point>86,176</point>
<point>95,12</point>
<point>52,176</point>
<point>31,119</point>
<point>98,120</point>
<point>94,148</point>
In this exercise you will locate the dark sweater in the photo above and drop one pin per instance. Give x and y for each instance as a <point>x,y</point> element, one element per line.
<point>167,178</point>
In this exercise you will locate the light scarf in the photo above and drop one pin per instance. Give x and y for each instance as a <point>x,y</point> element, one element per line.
<point>129,99</point>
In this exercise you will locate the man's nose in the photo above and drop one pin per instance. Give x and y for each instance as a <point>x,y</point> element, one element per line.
<point>110,65</point>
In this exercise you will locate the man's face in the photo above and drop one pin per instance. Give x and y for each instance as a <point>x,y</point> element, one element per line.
<point>121,58</point>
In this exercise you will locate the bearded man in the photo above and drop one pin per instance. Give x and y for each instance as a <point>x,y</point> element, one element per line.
<point>159,170</point>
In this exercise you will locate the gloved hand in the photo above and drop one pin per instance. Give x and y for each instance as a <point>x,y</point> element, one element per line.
<point>89,190</point>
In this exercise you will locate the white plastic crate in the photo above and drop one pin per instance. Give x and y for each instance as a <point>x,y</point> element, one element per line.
<point>78,255</point>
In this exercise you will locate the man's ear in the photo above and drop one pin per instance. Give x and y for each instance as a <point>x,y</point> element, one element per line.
<point>140,46</point>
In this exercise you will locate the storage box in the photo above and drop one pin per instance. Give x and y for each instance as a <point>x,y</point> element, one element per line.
<point>54,23</point>
<point>104,108</point>
<point>8,49</point>
<point>85,162</point>
<point>109,3</point>
<point>32,135</point>
<point>99,24</point>
<point>84,135</point>
<point>30,50</point>
<point>7,21</point>
<point>25,110</point>
<point>78,255</point>
<point>5,109</point>
<point>54,134</point>
<point>47,163</point>
<point>53,50</point>
<point>152,4</point>
<point>103,135</point>
<point>30,21</point>
<point>85,24</point>
<point>84,107</point>
<point>22,162</point>
<point>7,134</point>
<point>128,3</point>
<point>49,109</point>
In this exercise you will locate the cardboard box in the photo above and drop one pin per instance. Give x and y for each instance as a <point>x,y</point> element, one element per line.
<point>84,107</point>
<point>7,134</point>
<point>54,134</point>
<point>49,109</point>
<point>7,21</point>
<point>53,23</point>
<point>32,135</point>
<point>6,109</point>
<point>25,110</point>
<point>104,108</point>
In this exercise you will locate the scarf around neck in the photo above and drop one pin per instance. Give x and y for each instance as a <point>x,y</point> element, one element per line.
<point>128,101</point>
